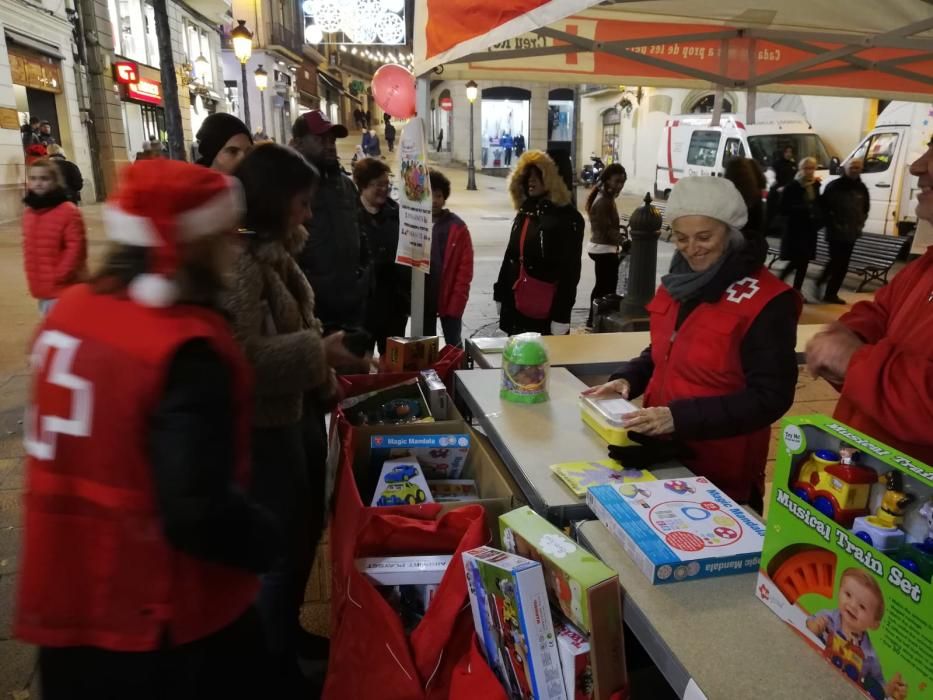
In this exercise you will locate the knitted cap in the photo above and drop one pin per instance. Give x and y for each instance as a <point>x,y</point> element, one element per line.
<point>214,133</point>
<point>715,197</point>
<point>164,204</point>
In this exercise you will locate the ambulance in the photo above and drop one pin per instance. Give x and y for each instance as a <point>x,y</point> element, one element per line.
<point>690,145</point>
<point>900,136</point>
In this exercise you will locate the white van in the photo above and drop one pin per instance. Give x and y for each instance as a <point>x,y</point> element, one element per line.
<point>690,146</point>
<point>900,136</point>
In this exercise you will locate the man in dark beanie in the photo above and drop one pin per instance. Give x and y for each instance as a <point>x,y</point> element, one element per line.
<point>223,141</point>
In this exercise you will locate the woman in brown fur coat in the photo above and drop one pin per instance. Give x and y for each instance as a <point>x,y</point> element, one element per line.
<point>271,306</point>
<point>553,248</point>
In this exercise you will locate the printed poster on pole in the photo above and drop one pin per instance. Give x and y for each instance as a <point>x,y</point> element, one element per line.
<point>414,201</point>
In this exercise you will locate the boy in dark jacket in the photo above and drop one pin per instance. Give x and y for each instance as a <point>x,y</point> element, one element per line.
<point>447,287</point>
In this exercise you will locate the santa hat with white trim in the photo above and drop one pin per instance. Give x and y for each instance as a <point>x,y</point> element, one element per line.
<point>163,205</point>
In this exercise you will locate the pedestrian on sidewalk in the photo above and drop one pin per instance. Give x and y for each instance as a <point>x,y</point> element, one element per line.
<point>447,287</point>
<point>845,203</point>
<point>880,354</point>
<point>390,134</point>
<point>440,140</point>
<point>45,134</point>
<point>802,221</point>
<point>223,142</point>
<point>537,284</point>
<point>272,312</point>
<point>140,549</point>
<point>71,173</point>
<point>54,242</point>
<point>606,236</point>
<point>389,301</point>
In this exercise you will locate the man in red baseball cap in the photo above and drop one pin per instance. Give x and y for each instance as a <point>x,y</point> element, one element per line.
<point>335,259</point>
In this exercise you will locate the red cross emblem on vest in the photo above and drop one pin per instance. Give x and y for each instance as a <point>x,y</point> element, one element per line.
<point>742,289</point>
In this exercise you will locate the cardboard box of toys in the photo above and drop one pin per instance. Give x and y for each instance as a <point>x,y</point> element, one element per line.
<point>494,488</point>
<point>848,555</point>
<point>679,529</point>
<point>513,623</point>
<point>411,354</point>
<point>585,590</point>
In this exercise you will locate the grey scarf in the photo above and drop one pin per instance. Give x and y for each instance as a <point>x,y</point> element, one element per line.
<point>683,283</point>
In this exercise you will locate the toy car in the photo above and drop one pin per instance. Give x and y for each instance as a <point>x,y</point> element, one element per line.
<point>402,494</point>
<point>402,472</point>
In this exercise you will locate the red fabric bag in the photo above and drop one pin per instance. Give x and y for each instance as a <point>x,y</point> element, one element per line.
<point>370,653</point>
<point>533,297</point>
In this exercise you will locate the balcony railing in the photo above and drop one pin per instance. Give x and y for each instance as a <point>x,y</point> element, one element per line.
<point>286,37</point>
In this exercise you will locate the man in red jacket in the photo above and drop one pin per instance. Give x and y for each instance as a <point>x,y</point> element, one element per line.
<point>140,548</point>
<point>447,288</point>
<point>880,354</point>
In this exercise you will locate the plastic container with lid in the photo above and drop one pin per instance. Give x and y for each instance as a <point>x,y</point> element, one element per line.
<point>605,417</point>
<point>524,369</point>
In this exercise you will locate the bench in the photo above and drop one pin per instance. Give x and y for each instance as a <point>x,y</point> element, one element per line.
<point>872,257</point>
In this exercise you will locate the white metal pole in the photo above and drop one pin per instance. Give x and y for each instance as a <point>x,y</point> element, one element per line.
<point>423,107</point>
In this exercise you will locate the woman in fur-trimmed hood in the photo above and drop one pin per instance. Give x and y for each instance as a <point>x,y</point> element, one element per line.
<point>271,306</point>
<point>551,253</point>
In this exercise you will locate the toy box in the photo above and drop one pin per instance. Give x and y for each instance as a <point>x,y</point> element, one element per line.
<point>581,476</point>
<point>435,391</point>
<point>411,354</point>
<point>513,622</point>
<point>449,490</point>
<point>402,403</point>
<point>679,529</point>
<point>574,649</point>
<point>401,483</point>
<point>605,417</point>
<point>585,590</point>
<point>441,456</point>
<point>848,556</point>
<point>426,569</point>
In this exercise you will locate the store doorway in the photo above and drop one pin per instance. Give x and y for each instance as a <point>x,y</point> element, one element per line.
<point>441,123</point>
<point>505,115</point>
<point>560,120</point>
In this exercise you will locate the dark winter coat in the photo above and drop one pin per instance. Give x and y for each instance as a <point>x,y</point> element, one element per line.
<point>802,221</point>
<point>784,170</point>
<point>74,182</point>
<point>553,246</point>
<point>845,203</point>
<point>335,259</point>
<point>272,312</point>
<point>390,133</point>
<point>390,283</point>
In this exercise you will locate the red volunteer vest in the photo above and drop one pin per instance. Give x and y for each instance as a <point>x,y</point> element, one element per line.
<point>705,360</point>
<point>97,569</point>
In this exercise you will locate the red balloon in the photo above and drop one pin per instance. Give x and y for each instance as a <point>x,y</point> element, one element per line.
<point>394,91</point>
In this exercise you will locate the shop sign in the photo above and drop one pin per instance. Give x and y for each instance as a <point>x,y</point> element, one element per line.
<point>39,73</point>
<point>126,72</point>
<point>446,103</point>
<point>145,90</point>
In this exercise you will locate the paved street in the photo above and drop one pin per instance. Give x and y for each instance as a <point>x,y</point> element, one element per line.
<point>488,213</point>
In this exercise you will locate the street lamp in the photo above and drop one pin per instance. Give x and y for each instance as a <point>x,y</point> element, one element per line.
<point>243,48</point>
<point>262,82</point>
<point>202,67</point>
<point>471,92</point>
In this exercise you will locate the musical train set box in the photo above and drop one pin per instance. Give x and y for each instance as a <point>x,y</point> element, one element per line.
<point>848,555</point>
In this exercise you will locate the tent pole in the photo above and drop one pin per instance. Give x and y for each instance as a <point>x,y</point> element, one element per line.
<point>751,97</point>
<point>423,108</point>
<point>720,90</point>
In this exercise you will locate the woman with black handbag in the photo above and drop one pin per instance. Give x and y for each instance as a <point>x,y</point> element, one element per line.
<point>537,283</point>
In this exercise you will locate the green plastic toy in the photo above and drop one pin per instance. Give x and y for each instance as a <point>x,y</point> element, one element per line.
<point>524,369</point>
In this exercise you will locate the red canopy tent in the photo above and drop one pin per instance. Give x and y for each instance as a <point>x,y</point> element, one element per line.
<point>863,48</point>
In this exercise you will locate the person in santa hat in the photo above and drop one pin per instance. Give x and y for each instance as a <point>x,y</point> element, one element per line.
<point>141,550</point>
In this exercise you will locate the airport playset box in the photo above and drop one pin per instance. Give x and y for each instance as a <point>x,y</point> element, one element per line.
<point>848,556</point>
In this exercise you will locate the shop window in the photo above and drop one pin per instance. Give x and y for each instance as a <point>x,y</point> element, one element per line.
<point>707,103</point>
<point>878,152</point>
<point>197,45</point>
<point>610,141</point>
<point>703,148</point>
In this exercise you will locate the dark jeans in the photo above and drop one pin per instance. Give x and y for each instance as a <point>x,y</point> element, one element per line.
<point>508,156</point>
<point>288,478</point>
<point>840,252</point>
<point>226,664</point>
<point>607,278</point>
<point>799,265</point>
<point>452,328</point>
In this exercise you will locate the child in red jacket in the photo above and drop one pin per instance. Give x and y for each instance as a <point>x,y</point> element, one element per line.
<point>448,286</point>
<point>54,244</point>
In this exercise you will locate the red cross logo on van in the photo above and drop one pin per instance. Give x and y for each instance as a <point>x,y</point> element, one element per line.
<point>742,289</point>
